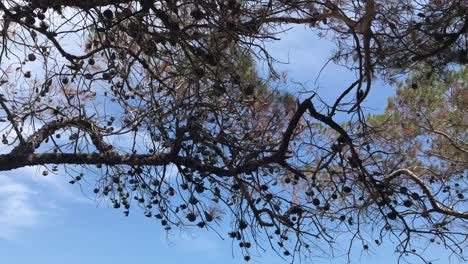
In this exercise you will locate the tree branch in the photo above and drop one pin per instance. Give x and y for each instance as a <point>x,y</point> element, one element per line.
<point>35,140</point>
<point>435,204</point>
<point>14,161</point>
<point>84,4</point>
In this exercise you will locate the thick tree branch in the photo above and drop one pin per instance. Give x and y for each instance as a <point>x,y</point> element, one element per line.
<point>15,161</point>
<point>435,204</point>
<point>292,126</point>
<point>35,140</point>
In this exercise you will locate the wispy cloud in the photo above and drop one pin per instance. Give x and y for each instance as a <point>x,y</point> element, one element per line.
<point>29,200</point>
<point>55,184</point>
<point>17,208</point>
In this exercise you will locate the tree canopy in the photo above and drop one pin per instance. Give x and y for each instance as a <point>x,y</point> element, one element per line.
<point>160,105</point>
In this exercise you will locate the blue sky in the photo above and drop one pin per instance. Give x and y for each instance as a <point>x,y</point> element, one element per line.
<point>45,220</point>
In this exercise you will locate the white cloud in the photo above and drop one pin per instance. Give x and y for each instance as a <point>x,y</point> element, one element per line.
<point>55,184</point>
<point>17,207</point>
<point>29,200</point>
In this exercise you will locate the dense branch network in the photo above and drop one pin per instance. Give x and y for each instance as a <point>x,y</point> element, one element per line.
<point>161,102</point>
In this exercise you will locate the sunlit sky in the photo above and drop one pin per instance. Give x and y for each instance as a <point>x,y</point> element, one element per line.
<point>45,220</point>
